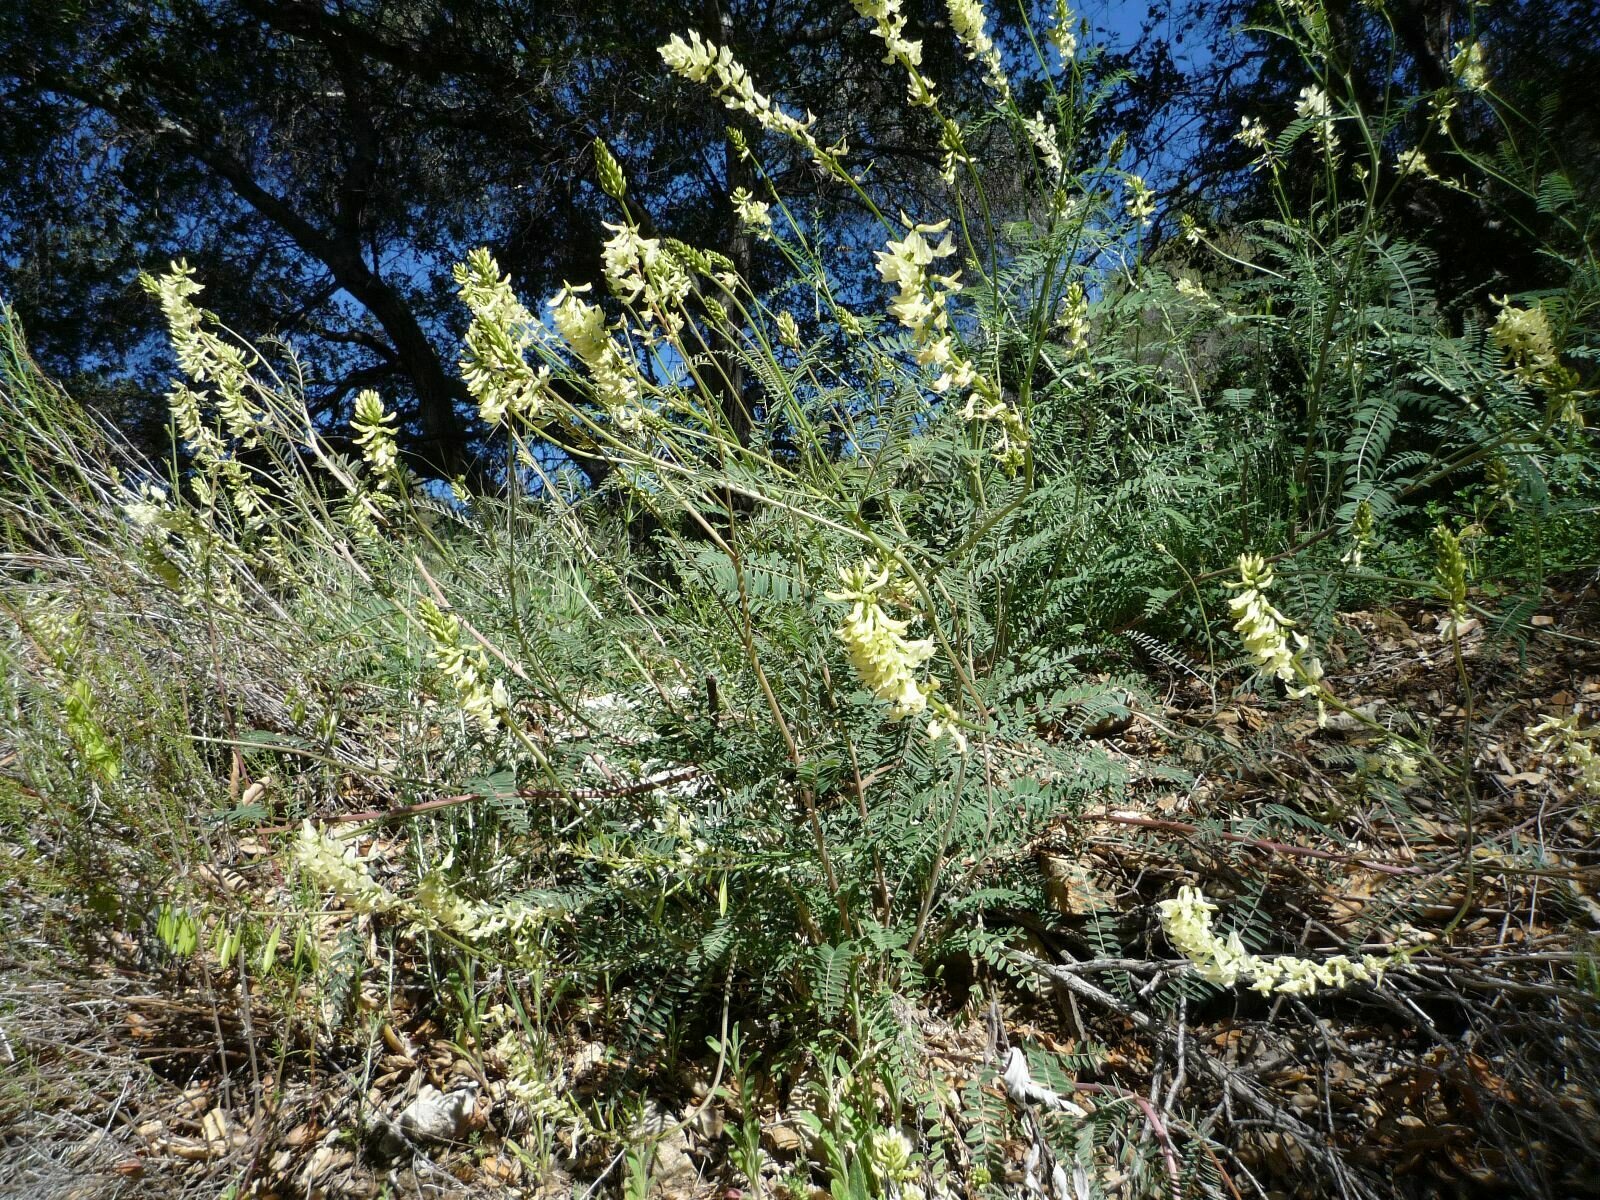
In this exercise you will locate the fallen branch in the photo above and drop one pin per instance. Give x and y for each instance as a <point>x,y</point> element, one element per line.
<point>1231,1081</point>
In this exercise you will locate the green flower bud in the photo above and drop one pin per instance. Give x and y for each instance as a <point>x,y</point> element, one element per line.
<point>1450,570</point>
<point>612,181</point>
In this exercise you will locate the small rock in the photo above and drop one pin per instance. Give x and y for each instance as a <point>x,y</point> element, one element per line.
<point>588,1059</point>
<point>674,1170</point>
<point>784,1141</point>
<point>434,1116</point>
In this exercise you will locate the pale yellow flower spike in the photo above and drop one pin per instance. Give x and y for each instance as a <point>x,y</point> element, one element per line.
<point>1253,134</point>
<point>701,61</point>
<point>1046,141</point>
<point>616,381</point>
<point>1572,747</point>
<point>1141,203</point>
<point>332,865</point>
<point>879,651</point>
<point>495,366</point>
<point>1072,317</point>
<point>1062,32</point>
<point>1314,105</point>
<point>467,668</point>
<point>889,24</point>
<point>882,656</point>
<point>1225,962</point>
<point>1414,162</point>
<point>920,305</point>
<point>374,431</point>
<point>1469,67</point>
<point>1525,337</point>
<point>1262,629</point>
<point>968,19</point>
<point>639,271</point>
<point>755,215</point>
<point>148,506</point>
<point>206,359</point>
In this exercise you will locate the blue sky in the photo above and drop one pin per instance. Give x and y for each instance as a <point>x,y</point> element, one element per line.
<point>1118,22</point>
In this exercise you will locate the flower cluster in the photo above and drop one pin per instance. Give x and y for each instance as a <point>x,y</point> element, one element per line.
<point>1572,746</point>
<point>890,1155</point>
<point>205,358</point>
<point>332,865</point>
<point>1314,105</point>
<point>1397,764</point>
<point>879,651</point>
<point>1046,140</point>
<point>583,327</point>
<point>954,146</point>
<point>889,23</point>
<point>1252,133</point>
<point>57,632</point>
<point>1141,203</point>
<point>466,667</point>
<point>1468,66</point>
<point>528,1079</point>
<point>705,62</point>
<point>1450,578</point>
<point>56,629</point>
<point>1010,448</point>
<point>495,366</point>
<point>755,215</point>
<point>1261,627</point>
<point>437,905</point>
<point>638,269</point>
<point>374,430</point>
<point>922,307</point>
<point>1363,532</point>
<point>612,181</point>
<point>1062,32</point>
<point>922,302</point>
<point>147,507</point>
<point>1525,338</point>
<point>1501,482</point>
<point>968,19</point>
<point>1225,962</point>
<point>1072,317</point>
<point>1414,162</point>
<point>223,367</point>
<point>688,846</point>
<point>184,404</point>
